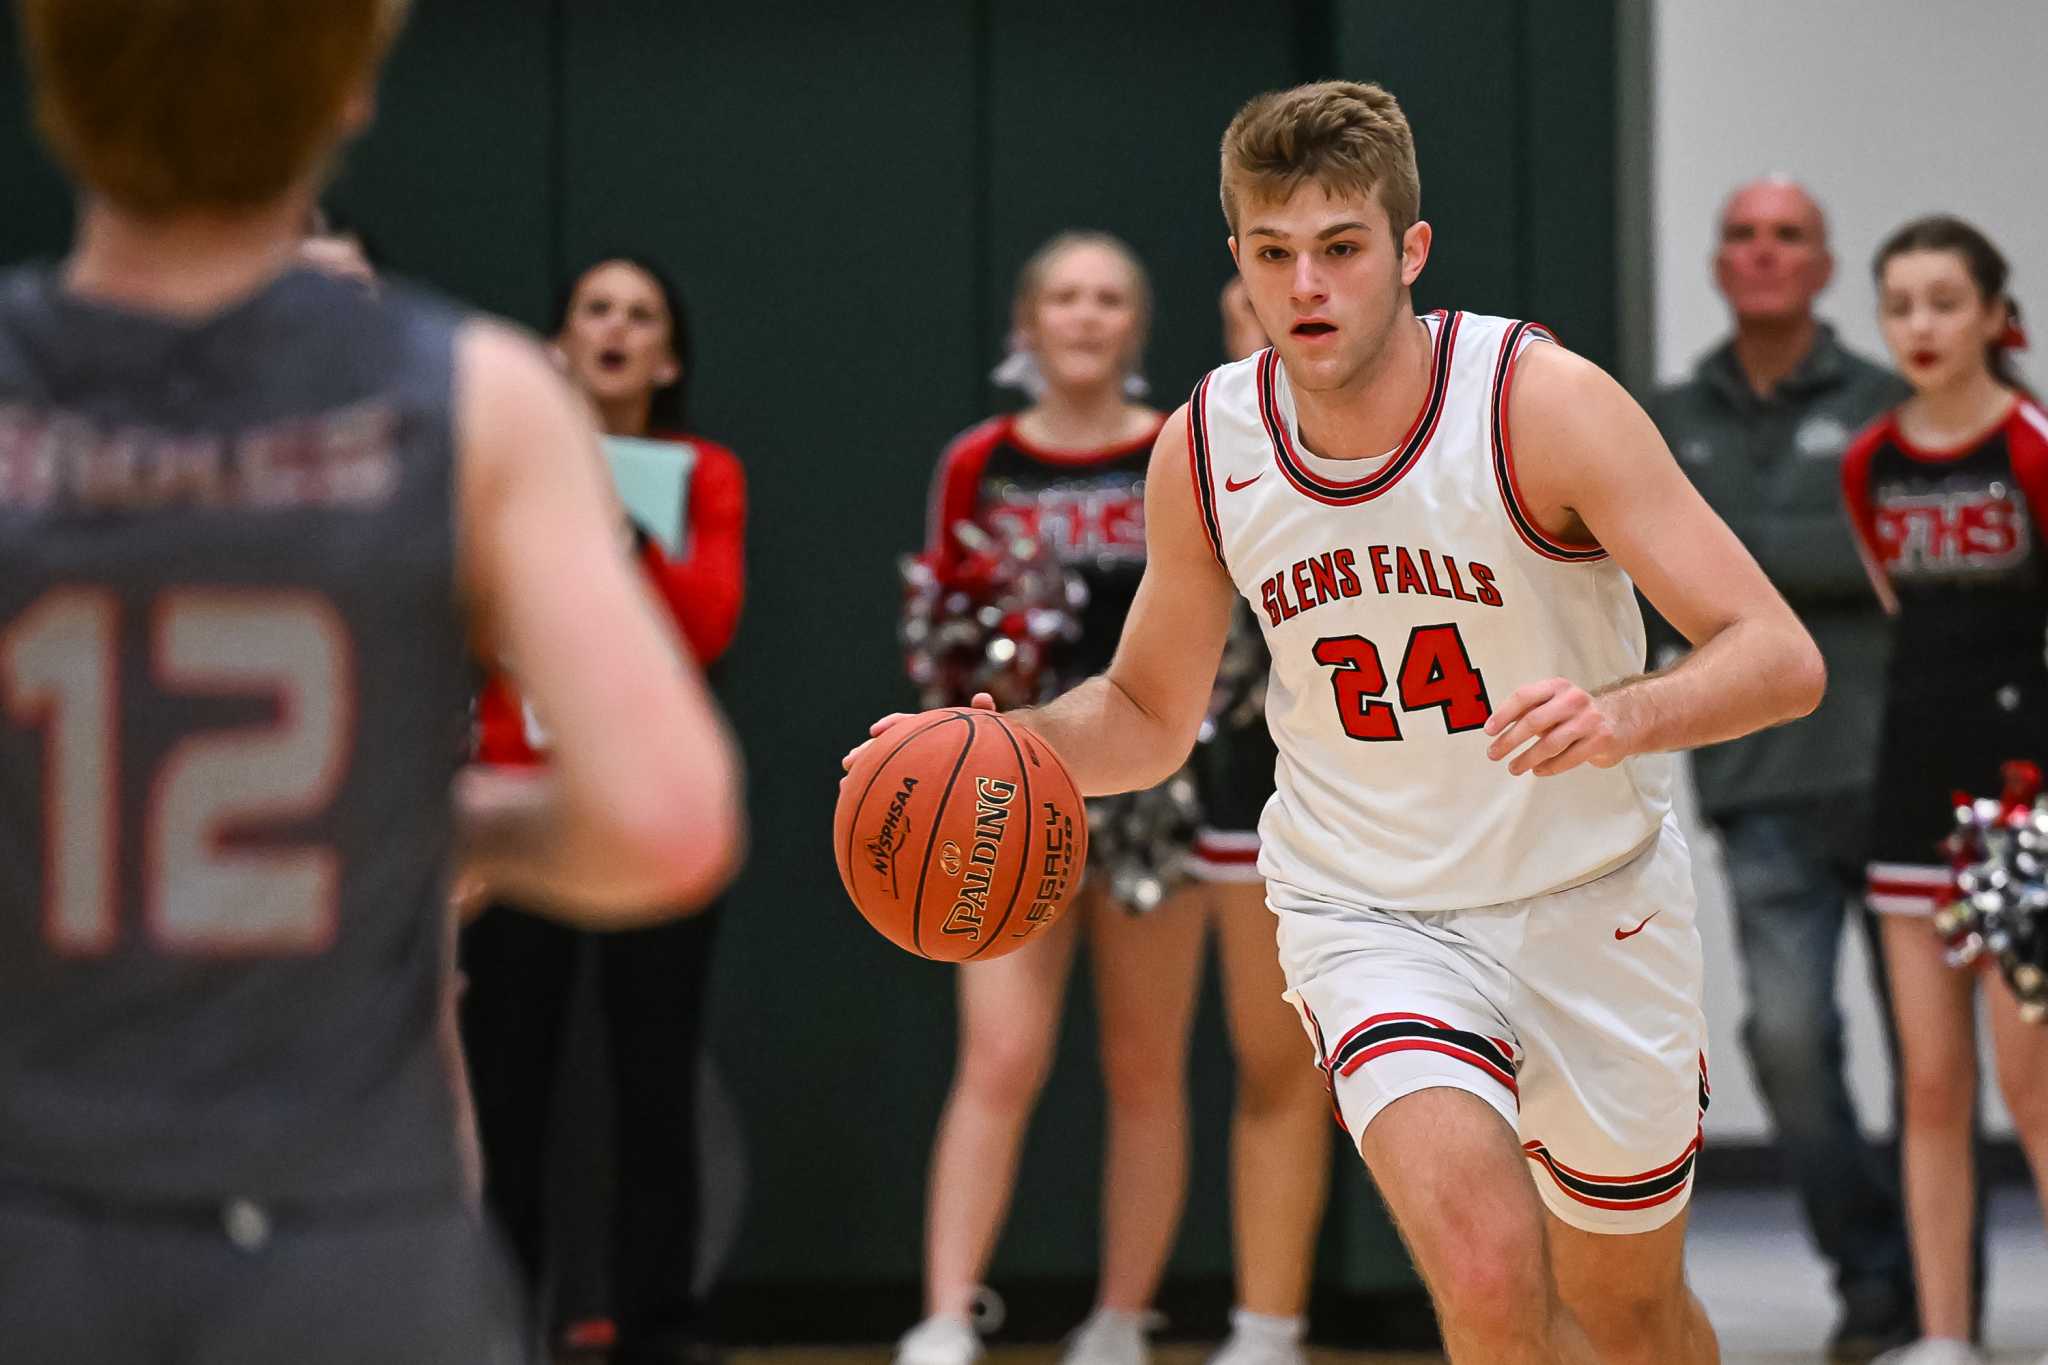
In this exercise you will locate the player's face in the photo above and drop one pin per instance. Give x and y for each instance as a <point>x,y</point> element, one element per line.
<point>1242,334</point>
<point>616,339</point>
<point>1773,259</point>
<point>1084,324</point>
<point>1328,280</point>
<point>1935,321</point>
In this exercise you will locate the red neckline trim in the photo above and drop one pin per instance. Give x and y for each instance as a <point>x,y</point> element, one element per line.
<point>1405,456</point>
<point>1011,436</point>
<point>1945,454</point>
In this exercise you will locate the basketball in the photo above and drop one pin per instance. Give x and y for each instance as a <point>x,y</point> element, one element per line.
<point>959,835</point>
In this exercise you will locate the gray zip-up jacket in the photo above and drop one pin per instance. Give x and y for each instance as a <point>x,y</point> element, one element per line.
<point>1771,466</point>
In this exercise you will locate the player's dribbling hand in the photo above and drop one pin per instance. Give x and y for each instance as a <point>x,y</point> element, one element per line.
<point>982,702</point>
<point>1565,722</point>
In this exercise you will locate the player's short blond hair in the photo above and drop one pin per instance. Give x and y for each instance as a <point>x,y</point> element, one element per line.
<point>165,106</point>
<point>1345,136</point>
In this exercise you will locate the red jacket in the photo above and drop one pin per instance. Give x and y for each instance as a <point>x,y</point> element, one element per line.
<point>703,593</point>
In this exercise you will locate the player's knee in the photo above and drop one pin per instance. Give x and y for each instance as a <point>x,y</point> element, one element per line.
<point>1490,1300</point>
<point>1634,1323</point>
<point>1493,1288</point>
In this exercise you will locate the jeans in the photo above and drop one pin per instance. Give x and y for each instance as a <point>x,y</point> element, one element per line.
<point>1794,871</point>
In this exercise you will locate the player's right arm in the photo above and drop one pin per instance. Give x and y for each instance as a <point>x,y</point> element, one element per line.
<point>1133,726</point>
<point>638,812</point>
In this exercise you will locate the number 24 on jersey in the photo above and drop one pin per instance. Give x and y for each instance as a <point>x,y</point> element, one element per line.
<point>1436,673</point>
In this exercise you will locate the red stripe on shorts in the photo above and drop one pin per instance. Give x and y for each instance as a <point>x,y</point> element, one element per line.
<point>1432,1045</point>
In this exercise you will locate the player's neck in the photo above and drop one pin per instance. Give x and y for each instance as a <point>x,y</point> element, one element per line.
<point>1769,349</point>
<point>1368,415</point>
<point>626,416</point>
<point>188,265</point>
<point>1958,412</point>
<point>1082,419</point>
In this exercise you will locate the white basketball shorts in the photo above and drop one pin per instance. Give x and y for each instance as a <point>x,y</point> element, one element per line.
<point>1576,1015</point>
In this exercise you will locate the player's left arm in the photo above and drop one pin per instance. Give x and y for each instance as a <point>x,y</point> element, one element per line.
<point>1591,466</point>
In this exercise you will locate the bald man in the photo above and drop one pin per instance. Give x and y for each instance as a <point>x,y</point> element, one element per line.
<point>1760,426</point>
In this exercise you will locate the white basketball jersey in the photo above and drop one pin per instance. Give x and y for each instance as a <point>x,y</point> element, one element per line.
<point>1401,598</point>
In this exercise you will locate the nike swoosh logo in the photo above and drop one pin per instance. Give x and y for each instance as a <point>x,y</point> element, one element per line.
<point>1231,485</point>
<point>1620,934</point>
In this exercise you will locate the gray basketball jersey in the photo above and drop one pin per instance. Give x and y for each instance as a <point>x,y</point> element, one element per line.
<point>233,691</point>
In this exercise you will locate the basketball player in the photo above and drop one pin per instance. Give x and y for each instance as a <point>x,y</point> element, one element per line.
<point>248,516</point>
<point>1485,909</point>
<point>337,247</point>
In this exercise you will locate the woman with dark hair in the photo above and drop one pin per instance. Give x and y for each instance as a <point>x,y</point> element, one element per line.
<point>1949,496</point>
<point>621,336</point>
<point>624,338</point>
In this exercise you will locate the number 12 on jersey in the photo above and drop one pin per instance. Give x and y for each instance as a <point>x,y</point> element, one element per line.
<point>204,891</point>
<point>1435,672</point>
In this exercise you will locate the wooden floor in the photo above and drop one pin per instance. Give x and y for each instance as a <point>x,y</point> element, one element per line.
<point>1749,1260</point>
<point>1192,1354</point>
<point>1195,1354</point>
<point>1189,1353</point>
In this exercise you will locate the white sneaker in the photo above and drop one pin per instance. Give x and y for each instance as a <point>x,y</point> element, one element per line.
<point>1932,1351</point>
<point>1239,1349</point>
<point>940,1340</point>
<point>1110,1338</point>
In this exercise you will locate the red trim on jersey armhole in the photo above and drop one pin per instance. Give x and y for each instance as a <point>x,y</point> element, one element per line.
<point>1526,526</point>
<point>1856,501</point>
<point>2027,443</point>
<point>955,490</point>
<point>1198,467</point>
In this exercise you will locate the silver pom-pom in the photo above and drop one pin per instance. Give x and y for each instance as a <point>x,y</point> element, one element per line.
<point>2000,901</point>
<point>1141,841</point>
<point>995,625</point>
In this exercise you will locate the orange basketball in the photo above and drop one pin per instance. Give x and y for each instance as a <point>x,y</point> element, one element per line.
<point>959,835</point>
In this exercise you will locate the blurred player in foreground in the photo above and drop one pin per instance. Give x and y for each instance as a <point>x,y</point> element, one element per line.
<point>249,514</point>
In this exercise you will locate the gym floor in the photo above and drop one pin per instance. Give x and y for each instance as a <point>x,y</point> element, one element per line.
<point>1765,1289</point>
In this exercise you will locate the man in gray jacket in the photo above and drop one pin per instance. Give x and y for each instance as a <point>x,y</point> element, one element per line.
<point>1760,427</point>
